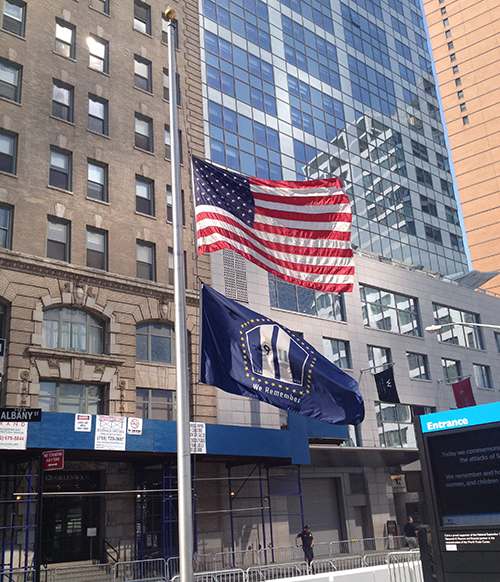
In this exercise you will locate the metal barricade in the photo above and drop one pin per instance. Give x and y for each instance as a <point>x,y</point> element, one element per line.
<point>21,575</point>
<point>382,544</point>
<point>141,570</point>
<point>233,575</point>
<point>405,567</point>
<point>322,566</point>
<point>238,559</point>
<point>279,555</point>
<point>201,563</point>
<point>348,563</point>
<point>342,547</point>
<point>277,571</point>
<point>375,559</point>
<point>321,550</point>
<point>85,573</point>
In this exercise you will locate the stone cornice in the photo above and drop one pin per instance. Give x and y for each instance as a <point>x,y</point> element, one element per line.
<point>53,354</point>
<point>114,282</point>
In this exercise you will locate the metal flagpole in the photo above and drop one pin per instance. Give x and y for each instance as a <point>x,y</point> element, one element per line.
<point>183,444</point>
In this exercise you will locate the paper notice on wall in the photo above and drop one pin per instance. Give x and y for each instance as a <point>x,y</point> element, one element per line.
<point>110,433</point>
<point>83,422</point>
<point>13,435</point>
<point>197,437</point>
<point>134,426</point>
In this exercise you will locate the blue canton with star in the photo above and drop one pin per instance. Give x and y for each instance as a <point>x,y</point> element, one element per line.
<point>223,189</point>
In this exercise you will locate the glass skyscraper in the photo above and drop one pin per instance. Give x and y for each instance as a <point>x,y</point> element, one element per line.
<point>301,89</point>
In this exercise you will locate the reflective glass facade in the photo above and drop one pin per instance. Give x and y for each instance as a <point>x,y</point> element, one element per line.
<point>298,90</point>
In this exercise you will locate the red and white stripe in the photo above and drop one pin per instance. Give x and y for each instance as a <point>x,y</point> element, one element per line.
<point>301,232</point>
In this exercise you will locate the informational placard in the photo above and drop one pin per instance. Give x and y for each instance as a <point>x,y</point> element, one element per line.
<point>110,433</point>
<point>21,414</point>
<point>83,422</point>
<point>134,426</point>
<point>197,437</point>
<point>13,435</point>
<point>53,460</point>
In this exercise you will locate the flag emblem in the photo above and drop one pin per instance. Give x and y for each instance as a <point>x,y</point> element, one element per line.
<point>276,355</point>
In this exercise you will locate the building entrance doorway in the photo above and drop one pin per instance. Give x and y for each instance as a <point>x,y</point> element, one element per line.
<point>70,523</point>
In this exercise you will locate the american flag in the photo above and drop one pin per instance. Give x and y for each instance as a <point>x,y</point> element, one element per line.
<point>298,231</point>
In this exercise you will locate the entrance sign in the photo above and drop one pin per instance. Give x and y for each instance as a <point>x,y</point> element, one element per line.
<point>21,414</point>
<point>110,433</point>
<point>13,435</point>
<point>83,422</point>
<point>460,455</point>
<point>53,460</point>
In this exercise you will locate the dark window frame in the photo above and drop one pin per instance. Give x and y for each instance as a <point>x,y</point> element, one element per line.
<point>143,204</point>
<point>64,43</point>
<point>8,161</point>
<point>142,17</point>
<point>95,123</point>
<point>6,225</point>
<point>9,91</point>
<point>54,246</point>
<point>98,59</point>
<point>141,140</point>
<point>55,173</point>
<point>97,259</point>
<point>141,82</point>
<point>103,187</point>
<point>142,266</point>
<point>12,25</point>
<point>69,109</point>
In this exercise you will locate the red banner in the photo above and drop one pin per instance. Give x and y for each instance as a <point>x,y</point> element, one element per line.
<point>463,393</point>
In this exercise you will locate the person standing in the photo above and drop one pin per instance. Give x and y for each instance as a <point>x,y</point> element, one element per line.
<point>411,533</point>
<point>307,543</point>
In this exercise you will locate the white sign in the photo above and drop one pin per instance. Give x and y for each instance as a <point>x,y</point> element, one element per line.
<point>198,437</point>
<point>134,426</point>
<point>91,532</point>
<point>398,483</point>
<point>13,435</point>
<point>83,422</point>
<point>110,433</point>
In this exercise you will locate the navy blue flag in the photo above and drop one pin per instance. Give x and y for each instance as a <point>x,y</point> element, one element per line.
<point>386,386</point>
<point>248,354</point>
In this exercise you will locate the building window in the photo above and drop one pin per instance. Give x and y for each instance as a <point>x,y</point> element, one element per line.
<point>142,17</point>
<point>455,70</point>
<point>448,34</point>
<point>142,74</point>
<point>168,144</point>
<point>452,370</point>
<point>98,115</point>
<point>97,248</point>
<point>497,341</point>
<point>443,163</point>
<point>164,33</point>
<point>144,196</point>
<point>389,311</point>
<point>70,398</point>
<point>482,376</point>
<point>143,133</point>
<point>97,180</point>
<point>60,169</point>
<point>424,177</point>
<point>170,208</point>
<point>450,45</point>
<point>291,297</point>
<point>458,82</point>
<point>101,5</point>
<point>417,364</point>
<point>146,267</point>
<point>10,81</point>
<point>378,357</point>
<point>453,57</point>
<point>419,150</point>
<point>155,343</point>
<point>396,423</point>
<point>8,152</point>
<point>428,206</point>
<point>461,335</point>
<point>166,87</point>
<point>5,229</point>
<point>463,107</point>
<point>171,272</point>
<point>460,94</point>
<point>433,234</point>
<point>465,120</point>
<point>457,243</point>
<point>64,43</point>
<point>14,17</point>
<point>451,215</point>
<point>62,100</point>
<point>155,404</point>
<point>338,352</point>
<point>65,328</point>
<point>446,21</point>
<point>443,10</point>
<point>58,239</point>
<point>98,54</point>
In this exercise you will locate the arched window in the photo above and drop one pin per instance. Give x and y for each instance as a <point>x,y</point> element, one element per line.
<point>155,342</point>
<point>72,329</point>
